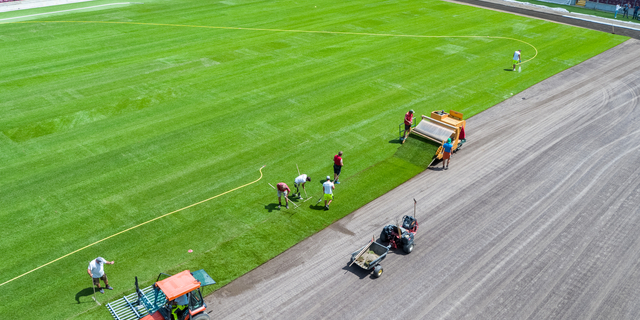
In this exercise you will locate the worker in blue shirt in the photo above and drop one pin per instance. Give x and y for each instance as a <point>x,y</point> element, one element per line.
<point>447,154</point>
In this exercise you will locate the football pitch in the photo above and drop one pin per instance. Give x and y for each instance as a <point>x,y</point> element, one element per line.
<point>120,114</point>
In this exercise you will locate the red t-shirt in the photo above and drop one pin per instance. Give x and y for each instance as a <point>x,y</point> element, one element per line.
<point>282,187</point>
<point>337,160</point>
<point>408,118</point>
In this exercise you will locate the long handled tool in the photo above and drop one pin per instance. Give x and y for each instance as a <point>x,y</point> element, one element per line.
<point>294,204</point>
<point>305,190</point>
<point>94,292</point>
<point>362,251</point>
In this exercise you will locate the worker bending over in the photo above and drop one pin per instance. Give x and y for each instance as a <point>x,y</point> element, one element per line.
<point>300,181</point>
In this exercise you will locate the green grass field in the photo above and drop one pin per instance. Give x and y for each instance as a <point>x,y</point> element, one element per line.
<point>108,125</point>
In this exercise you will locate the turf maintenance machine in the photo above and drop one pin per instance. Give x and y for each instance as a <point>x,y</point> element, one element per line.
<point>442,126</point>
<point>401,236</point>
<point>175,296</point>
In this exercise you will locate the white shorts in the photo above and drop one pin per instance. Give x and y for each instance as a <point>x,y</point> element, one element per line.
<point>282,192</point>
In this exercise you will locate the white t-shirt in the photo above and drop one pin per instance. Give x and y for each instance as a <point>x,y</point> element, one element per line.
<point>300,179</point>
<point>516,56</point>
<point>97,269</point>
<point>327,187</point>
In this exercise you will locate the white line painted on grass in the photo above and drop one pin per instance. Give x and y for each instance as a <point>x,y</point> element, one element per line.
<point>76,9</point>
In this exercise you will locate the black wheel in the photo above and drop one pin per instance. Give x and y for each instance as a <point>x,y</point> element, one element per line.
<point>407,248</point>
<point>202,316</point>
<point>383,236</point>
<point>377,271</point>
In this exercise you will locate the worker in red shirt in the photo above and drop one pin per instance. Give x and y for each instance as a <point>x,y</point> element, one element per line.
<point>337,167</point>
<point>283,189</point>
<point>408,121</point>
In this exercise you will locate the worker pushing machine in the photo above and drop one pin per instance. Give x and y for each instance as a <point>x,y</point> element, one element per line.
<point>448,147</point>
<point>408,121</point>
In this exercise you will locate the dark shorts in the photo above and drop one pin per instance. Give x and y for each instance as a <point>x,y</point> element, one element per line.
<point>446,155</point>
<point>336,169</point>
<point>96,281</point>
<point>407,127</point>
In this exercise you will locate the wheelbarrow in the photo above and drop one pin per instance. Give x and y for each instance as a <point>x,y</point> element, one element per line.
<point>369,257</point>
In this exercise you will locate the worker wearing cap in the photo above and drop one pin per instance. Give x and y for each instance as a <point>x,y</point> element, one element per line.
<point>447,154</point>
<point>178,306</point>
<point>517,58</point>
<point>300,181</point>
<point>283,189</point>
<point>328,187</point>
<point>96,271</point>
<point>408,121</point>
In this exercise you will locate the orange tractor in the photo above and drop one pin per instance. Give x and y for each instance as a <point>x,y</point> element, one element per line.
<point>177,297</point>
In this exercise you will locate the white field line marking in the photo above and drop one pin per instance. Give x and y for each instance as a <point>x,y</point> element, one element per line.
<point>296,31</point>
<point>39,14</point>
<point>136,226</point>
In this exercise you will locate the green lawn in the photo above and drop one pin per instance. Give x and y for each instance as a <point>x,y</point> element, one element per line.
<point>106,126</point>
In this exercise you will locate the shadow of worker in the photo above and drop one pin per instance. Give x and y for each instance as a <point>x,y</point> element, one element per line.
<point>86,292</point>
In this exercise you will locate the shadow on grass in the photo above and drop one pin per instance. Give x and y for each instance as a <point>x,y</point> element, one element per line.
<point>508,69</point>
<point>86,292</point>
<point>272,206</point>
<point>317,206</point>
<point>396,141</point>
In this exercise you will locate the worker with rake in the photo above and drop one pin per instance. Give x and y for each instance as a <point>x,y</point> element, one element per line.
<point>283,189</point>
<point>300,181</point>
<point>337,167</point>
<point>408,120</point>
<point>96,271</point>
<point>327,188</point>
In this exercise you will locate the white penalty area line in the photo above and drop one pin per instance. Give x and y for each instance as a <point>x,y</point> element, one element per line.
<point>76,9</point>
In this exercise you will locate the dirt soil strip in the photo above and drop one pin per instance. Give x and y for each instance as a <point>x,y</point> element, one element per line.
<point>537,218</point>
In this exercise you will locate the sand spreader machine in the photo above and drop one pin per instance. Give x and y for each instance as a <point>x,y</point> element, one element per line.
<point>176,296</point>
<point>441,126</point>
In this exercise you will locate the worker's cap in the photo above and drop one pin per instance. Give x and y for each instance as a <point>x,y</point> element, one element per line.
<point>449,141</point>
<point>308,178</point>
<point>411,110</point>
<point>99,259</point>
<point>328,178</point>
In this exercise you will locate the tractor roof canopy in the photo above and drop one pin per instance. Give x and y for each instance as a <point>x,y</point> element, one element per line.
<point>178,285</point>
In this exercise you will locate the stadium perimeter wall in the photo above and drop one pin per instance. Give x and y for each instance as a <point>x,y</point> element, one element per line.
<point>561,18</point>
